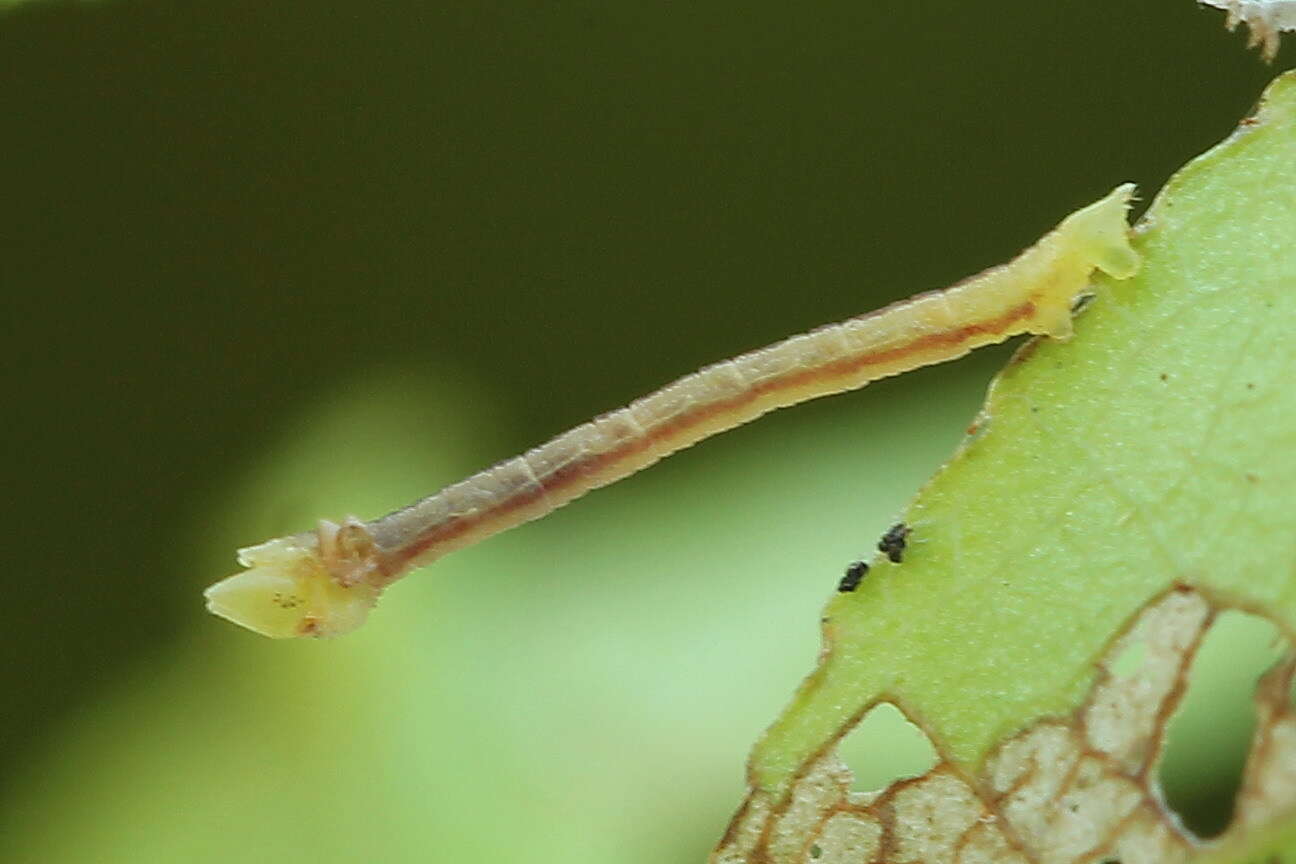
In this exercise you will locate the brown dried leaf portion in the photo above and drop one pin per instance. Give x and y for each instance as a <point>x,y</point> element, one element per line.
<point>1123,716</point>
<point>1076,789</point>
<point>1266,19</point>
<point>1269,785</point>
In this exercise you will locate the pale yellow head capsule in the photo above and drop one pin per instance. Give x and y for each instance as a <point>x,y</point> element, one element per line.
<point>300,586</point>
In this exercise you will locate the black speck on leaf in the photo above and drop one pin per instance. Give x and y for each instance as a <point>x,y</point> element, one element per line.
<point>894,541</point>
<point>855,574</point>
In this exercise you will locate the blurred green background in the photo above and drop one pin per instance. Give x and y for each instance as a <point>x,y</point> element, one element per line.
<point>264,262</point>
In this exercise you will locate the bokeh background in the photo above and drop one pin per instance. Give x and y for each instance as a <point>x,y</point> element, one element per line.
<point>263,262</point>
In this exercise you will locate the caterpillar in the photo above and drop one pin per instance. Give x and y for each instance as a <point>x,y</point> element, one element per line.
<point>323,582</point>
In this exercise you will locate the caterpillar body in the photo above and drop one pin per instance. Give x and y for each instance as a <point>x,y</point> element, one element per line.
<point>323,582</point>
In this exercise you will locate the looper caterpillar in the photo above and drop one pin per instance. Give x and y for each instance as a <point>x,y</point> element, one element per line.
<point>323,582</point>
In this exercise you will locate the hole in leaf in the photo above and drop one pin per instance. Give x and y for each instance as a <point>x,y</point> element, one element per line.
<point>884,747</point>
<point>1210,733</point>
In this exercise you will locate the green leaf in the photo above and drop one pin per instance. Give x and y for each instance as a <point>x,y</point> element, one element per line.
<point>1118,490</point>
